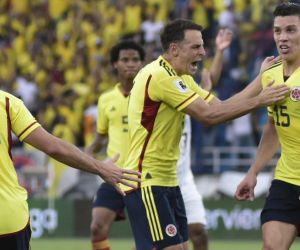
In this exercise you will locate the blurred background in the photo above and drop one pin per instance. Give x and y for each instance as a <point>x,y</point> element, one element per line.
<point>54,55</point>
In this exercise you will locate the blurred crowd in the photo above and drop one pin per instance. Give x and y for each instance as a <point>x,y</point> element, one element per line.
<point>54,55</point>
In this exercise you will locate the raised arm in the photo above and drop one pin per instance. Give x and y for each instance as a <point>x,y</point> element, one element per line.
<point>72,156</point>
<point>223,41</point>
<point>268,146</point>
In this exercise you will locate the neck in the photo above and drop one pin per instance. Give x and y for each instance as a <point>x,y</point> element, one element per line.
<point>126,87</point>
<point>173,62</point>
<point>290,66</point>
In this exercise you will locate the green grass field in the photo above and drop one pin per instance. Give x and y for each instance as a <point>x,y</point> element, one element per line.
<point>126,244</point>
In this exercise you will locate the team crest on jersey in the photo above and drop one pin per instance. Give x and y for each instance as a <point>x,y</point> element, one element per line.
<point>181,85</point>
<point>171,230</point>
<point>295,94</point>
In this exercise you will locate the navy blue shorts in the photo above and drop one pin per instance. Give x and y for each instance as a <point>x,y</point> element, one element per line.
<point>108,197</point>
<point>16,241</point>
<point>157,217</point>
<point>282,204</point>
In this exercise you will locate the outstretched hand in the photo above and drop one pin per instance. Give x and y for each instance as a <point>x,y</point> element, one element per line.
<point>114,175</point>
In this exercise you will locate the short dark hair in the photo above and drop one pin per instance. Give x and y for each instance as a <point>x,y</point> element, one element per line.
<point>287,9</point>
<point>124,45</point>
<point>175,30</point>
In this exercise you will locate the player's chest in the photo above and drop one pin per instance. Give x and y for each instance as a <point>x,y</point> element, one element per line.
<point>116,110</point>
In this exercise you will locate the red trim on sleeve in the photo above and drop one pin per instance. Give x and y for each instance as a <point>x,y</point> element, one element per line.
<point>9,138</point>
<point>27,128</point>
<point>207,96</point>
<point>185,100</point>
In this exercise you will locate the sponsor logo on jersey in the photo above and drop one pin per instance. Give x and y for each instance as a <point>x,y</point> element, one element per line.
<point>295,94</point>
<point>181,85</point>
<point>171,230</point>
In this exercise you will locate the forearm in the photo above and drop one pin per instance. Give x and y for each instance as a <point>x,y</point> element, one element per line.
<point>220,112</point>
<point>216,67</point>
<point>252,89</point>
<point>61,150</point>
<point>72,156</point>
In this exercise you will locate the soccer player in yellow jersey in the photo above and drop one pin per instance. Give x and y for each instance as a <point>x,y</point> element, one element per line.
<point>15,229</point>
<point>280,217</point>
<point>112,129</point>
<point>162,92</point>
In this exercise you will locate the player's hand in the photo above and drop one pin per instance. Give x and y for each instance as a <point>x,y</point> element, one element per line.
<point>268,62</point>
<point>272,94</point>
<point>114,175</point>
<point>245,190</point>
<point>223,39</point>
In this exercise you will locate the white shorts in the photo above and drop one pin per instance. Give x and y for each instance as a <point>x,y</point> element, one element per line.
<point>195,211</point>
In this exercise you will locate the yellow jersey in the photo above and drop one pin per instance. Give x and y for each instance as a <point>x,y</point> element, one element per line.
<point>155,121</point>
<point>113,121</point>
<point>14,117</point>
<point>286,117</point>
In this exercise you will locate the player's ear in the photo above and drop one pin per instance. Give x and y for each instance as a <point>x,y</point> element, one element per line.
<point>173,49</point>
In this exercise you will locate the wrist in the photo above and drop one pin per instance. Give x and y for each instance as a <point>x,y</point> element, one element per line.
<point>252,172</point>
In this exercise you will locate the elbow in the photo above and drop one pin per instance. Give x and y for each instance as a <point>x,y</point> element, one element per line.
<point>209,120</point>
<point>54,149</point>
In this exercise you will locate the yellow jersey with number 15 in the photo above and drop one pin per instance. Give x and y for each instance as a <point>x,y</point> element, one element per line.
<point>15,118</point>
<point>286,115</point>
<point>155,121</point>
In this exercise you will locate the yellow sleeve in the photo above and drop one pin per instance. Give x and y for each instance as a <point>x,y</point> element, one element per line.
<point>22,121</point>
<point>172,91</point>
<point>204,94</point>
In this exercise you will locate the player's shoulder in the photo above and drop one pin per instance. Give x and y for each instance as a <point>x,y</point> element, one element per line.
<point>108,94</point>
<point>274,68</point>
<point>188,79</point>
<point>160,69</point>
<point>12,98</point>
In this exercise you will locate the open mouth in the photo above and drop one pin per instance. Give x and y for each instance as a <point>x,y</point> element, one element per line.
<point>195,65</point>
<point>284,49</point>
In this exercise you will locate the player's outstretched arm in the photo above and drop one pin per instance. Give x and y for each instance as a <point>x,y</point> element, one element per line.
<point>70,155</point>
<point>222,111</point>
<point>268,146</point>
